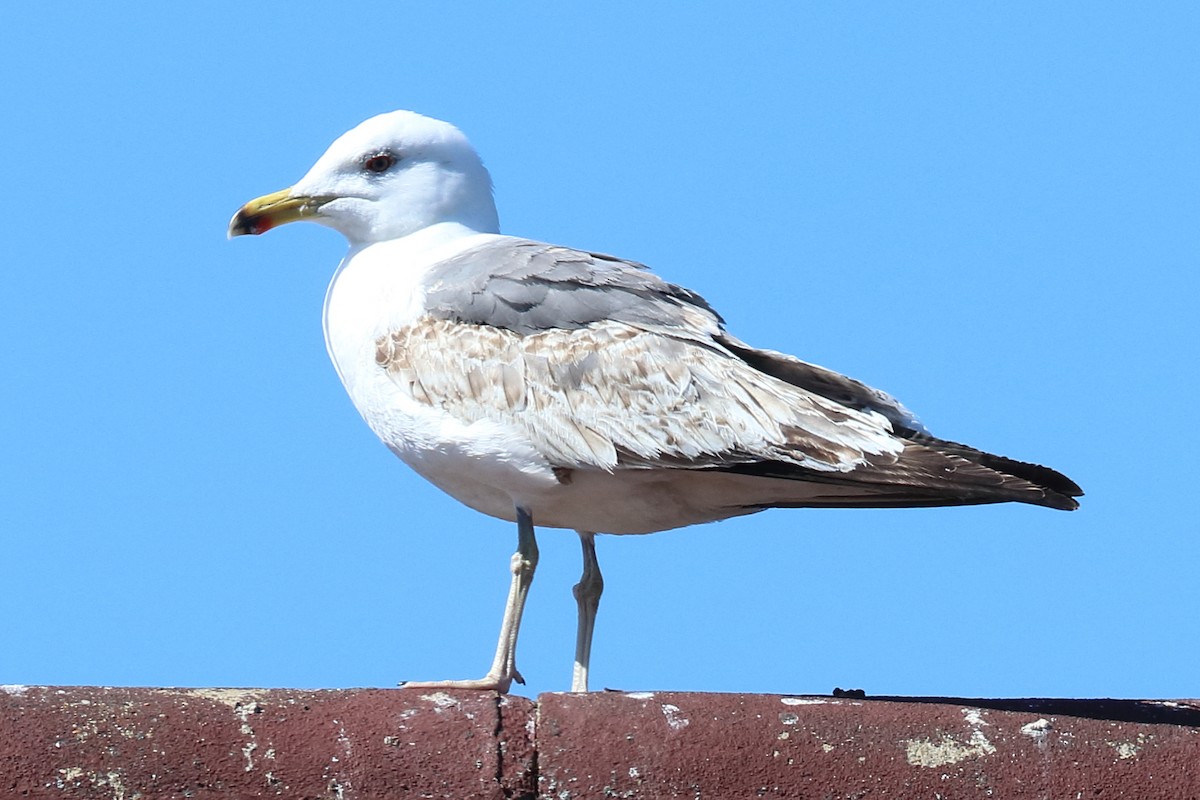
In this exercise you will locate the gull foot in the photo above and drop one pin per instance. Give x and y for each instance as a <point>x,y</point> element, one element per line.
<point>488,683</point>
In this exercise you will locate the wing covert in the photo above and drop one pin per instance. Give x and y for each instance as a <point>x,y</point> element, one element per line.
<point>613,395</point>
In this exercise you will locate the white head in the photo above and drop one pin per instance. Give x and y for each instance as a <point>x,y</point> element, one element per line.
<point>393,175</point>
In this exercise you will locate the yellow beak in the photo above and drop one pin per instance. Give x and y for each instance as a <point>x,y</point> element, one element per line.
<point>272,210</point>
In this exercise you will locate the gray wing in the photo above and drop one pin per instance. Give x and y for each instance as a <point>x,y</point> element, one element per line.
<point>601,364</point>
<point>525,287</point>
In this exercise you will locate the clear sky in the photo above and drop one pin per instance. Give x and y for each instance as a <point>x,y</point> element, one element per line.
<point>991,212</point>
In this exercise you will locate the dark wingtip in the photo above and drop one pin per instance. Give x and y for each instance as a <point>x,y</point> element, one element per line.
<point>1059,501</point>
<point>1058,491</point>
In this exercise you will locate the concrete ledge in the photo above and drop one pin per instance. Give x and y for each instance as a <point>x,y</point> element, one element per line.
<point>145,744</point>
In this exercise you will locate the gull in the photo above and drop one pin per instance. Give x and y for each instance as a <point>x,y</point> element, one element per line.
<point>534,382</point>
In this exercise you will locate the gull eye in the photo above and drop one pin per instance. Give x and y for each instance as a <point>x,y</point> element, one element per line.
<point>379,162</point>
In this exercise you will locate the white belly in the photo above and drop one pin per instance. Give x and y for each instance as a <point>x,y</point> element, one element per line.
<point>493,469</point>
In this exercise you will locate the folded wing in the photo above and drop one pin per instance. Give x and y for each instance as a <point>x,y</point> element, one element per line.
<point>600,364</point>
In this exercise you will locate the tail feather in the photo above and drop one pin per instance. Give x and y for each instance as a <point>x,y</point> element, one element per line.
<point>928,472</point>
<point>1046,478</point>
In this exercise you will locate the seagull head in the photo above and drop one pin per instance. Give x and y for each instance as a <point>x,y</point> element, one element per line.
<point>391,176</point>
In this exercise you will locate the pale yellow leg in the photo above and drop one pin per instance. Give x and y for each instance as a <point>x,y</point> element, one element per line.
<point>504,667</point>
<point>587,596</point>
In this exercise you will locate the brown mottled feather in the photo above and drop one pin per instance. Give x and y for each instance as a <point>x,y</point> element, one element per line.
<point>616,396</point>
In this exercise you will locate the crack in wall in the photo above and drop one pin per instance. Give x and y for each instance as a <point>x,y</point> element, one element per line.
<point>501,736</point>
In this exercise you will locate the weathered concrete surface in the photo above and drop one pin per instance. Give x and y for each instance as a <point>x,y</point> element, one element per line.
<point>629,745</point>
<point>126,744</point>
<point>152,744</point>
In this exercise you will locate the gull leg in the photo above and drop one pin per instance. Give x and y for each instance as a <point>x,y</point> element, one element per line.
<point>587,596</point>
<point>504,666</point>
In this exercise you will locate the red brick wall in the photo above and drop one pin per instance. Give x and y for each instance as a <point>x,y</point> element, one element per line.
<point>131,744</point>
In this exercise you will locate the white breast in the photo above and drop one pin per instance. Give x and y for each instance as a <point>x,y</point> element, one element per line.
<point>377,289</point>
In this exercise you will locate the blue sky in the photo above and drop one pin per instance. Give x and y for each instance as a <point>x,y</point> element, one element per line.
<point>990,212</point>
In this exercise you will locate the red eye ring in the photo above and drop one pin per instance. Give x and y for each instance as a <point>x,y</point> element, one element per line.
<point>380,162</point>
